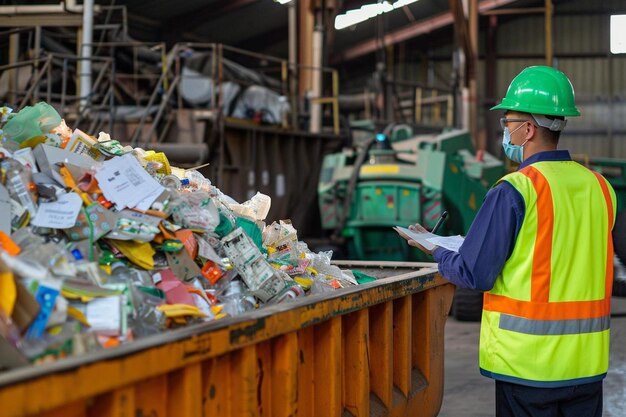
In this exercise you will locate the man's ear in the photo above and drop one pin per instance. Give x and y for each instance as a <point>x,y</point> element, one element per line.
<point>531,131</point>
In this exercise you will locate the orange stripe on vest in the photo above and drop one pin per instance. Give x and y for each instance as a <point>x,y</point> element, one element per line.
<point>542,256</point>
<point>609,248</point>
<point>539,307</point>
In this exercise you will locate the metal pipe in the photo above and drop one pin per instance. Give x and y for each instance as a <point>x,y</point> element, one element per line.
<point>32,9</point>
<point>316,84</point>
<point>87,38</point>
<point>293,42</point>
<point>293,38</point>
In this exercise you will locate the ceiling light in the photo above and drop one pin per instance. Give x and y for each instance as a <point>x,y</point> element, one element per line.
<point>282,1</point>
<point>367,11</point>
<point>618,34</point>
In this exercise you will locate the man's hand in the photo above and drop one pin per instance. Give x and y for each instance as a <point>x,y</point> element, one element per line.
<point>419,229</point>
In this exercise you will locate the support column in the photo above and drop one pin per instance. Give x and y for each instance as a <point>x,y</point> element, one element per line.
<point>314,17</point>
<point>548,25</point>
<point>86,43</point>
<point>472,62</point>
<point>315,125</point>
<point>466,39</point>
<point>305,32</point>
<point>293,59</point>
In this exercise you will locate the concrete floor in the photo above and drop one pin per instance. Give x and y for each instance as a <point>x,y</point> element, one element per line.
<point>468,394</point>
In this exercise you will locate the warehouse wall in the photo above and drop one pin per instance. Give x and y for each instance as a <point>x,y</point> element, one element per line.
<point>582,51</point>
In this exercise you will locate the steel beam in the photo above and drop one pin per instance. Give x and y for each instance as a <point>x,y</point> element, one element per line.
<point>43,20</point>
<point>520,10</point>
<point>411,31</point>
<point>42,15</point>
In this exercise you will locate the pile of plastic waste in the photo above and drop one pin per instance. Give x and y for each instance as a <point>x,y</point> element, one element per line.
<point>101,244</point>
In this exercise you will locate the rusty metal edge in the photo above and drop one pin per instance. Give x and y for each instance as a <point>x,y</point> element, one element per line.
<point>424,273</point>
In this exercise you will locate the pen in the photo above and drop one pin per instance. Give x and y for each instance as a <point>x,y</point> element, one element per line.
<point>442,219</point>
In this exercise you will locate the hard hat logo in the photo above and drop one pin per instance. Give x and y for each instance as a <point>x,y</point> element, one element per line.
<point>540,90</point>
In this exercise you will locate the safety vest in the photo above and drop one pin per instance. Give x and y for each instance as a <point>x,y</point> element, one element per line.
<point>545,322</point>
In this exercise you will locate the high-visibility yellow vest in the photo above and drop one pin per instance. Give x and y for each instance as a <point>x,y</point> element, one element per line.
<point>546,320</point>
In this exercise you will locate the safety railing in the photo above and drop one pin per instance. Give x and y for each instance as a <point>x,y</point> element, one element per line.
<point>113,20</point>
<point>227,81</point>
<point>54,79</point>
<point>138,68</point>
<point>150,85</point>
<point>331,99</point>
<point>440,103</point>
<point>411,102</point>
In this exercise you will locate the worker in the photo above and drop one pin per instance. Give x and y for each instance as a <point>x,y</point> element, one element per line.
<point>541,249</point>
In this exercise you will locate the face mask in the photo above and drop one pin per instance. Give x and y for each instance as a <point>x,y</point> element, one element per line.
<point>514,152</point>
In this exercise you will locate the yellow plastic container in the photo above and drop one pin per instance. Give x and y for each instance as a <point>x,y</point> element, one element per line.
<point>374,349</point>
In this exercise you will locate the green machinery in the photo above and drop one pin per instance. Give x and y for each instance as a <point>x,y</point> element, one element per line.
<point>399,180</point>
<point>365,190</point>
<point>614,170</point>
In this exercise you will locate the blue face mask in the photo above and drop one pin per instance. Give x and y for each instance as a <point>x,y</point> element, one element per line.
<point>514,152</point>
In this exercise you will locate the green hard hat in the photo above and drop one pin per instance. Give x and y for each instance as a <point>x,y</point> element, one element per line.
<point>540,90</point>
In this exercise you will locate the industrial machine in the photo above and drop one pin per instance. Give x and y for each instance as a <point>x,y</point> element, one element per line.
<point>614,170</point>
<point>397,179</point>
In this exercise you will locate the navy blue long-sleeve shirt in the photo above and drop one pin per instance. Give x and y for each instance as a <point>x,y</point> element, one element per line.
<point>491,237</point>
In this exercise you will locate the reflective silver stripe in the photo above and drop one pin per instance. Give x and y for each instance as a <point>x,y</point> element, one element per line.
<point>554,327</point>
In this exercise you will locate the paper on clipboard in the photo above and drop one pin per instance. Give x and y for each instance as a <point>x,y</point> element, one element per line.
<point>452,243</point>
<point>421,238</point>
<point>430,241</point>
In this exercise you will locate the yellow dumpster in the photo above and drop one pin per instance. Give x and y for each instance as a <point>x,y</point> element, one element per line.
<point>370,350</point>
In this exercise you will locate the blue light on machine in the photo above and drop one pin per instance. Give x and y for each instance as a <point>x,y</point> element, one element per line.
<point>380,137</point>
